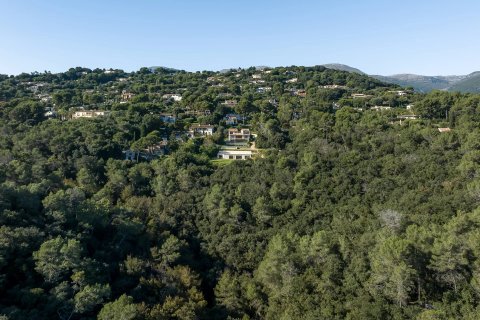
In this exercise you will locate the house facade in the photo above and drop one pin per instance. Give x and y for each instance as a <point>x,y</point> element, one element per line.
<point>235,154</point>
<point>300,93</point>
<point>89,114</point>
<point>126,96</point>
<point>264,89</point>
<point>334,86</point>
<point>168,117</point>
<point>175,97</point>
<point>232,119</point>
<point>235,135</point>
<point>380,108</point>
<point>408,117</point>
<point>230,103</point>
<point>201,130</point>
<point>360,95</point>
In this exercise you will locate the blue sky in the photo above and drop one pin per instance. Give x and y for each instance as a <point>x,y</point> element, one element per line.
<point>425,37</point>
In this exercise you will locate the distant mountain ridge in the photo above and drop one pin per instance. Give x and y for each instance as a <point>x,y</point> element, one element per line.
<point>470,83</point>
<point>461,83</point>
<point>419,82</point>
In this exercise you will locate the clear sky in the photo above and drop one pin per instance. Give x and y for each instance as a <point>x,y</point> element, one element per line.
<point>379,37</point>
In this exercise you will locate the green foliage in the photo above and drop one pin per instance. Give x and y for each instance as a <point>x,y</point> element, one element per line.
<point>345,213</point>
<point>122,308</point>
<point>392,275</point>
<point>57,257</point>
<point>90,296</point>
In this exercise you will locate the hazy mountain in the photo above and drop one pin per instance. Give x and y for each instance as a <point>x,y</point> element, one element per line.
<point>462,83</point>
<point>422,83</point>
<point>342,67</point>
<point>419,82</point>
<point>470,83</point>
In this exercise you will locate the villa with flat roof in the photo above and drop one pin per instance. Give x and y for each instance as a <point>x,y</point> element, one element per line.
<point>235,135</point>
<point>89,114</point>
<point>201,130</point>
<point>235,154</point>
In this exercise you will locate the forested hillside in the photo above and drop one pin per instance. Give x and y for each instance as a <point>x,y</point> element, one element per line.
<point>360,199</point>
<point>471,83</point>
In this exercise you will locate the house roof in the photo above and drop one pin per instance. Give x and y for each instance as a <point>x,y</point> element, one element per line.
<point>235,130</point>
<point>236,152</point>
<point>84,111</point>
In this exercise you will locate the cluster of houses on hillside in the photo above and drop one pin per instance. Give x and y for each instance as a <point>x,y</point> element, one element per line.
<point>237,135</point>
<point>236,147</point>
<point>127,96</point>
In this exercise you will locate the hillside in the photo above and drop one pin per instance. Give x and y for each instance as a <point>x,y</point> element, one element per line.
<point>279,193</point>
<point>470,83</point>
<point>422,83</point>
<point>342,67</point>
<point>418,82</point>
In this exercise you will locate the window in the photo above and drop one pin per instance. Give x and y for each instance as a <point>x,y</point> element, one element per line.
<point>238,157</point>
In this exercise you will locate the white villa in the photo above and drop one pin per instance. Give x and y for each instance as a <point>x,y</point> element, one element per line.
<point>235,135</point>
<point>264,89</point>
<point>89,114</point>
<point>127,95</point>
<point>230,103</point>
<point>201,130</point>
<point>360,95</point>
<point>235,154</point>
<point>408,117</point>
<point>232,119</point>
<point>399,92</point>
<point>175,97</point>
<point>380,108</point>
<point>334,86</point>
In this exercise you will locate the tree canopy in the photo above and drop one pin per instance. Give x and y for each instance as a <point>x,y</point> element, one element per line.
<point>355,207</point>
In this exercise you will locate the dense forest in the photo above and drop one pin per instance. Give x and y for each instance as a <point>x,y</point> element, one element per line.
<point>361,200</point>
